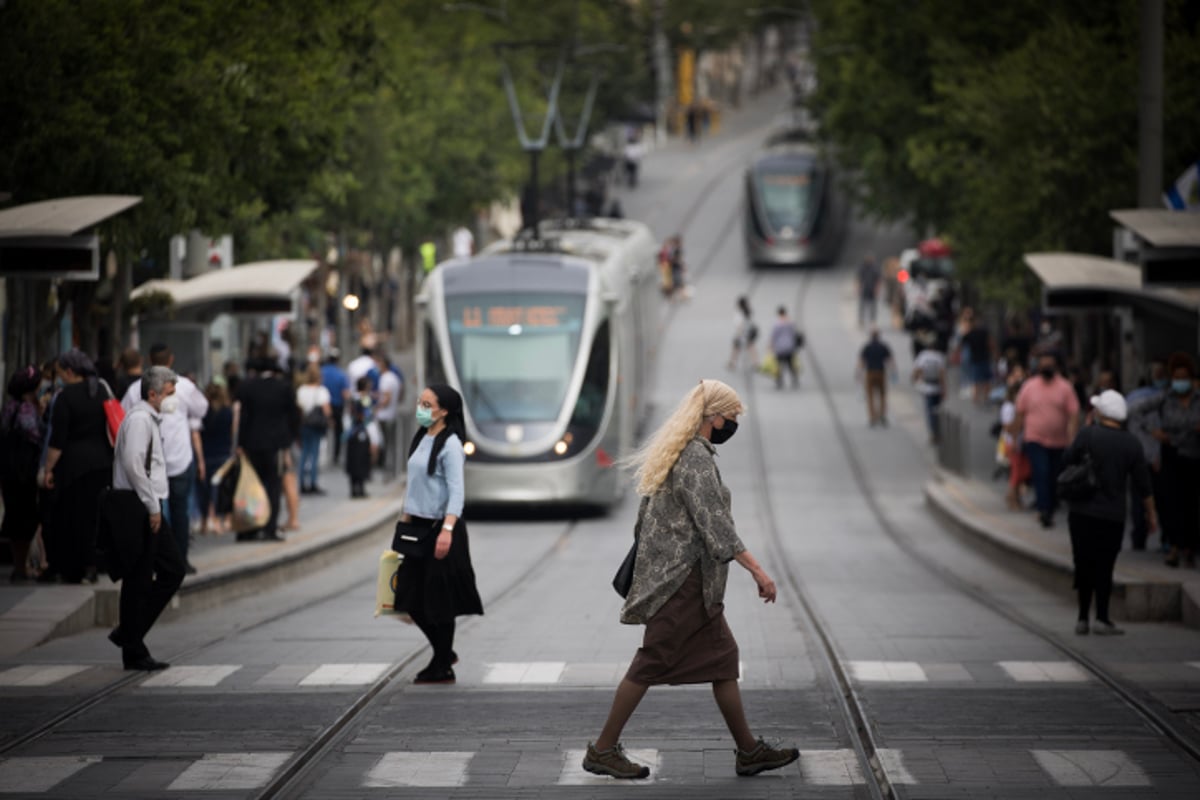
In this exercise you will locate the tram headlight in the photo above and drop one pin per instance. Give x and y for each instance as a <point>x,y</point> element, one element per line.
<point>560,447</point>
<point>469,448</point>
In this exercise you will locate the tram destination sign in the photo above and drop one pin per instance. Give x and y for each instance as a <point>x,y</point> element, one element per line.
<point>478,315</point>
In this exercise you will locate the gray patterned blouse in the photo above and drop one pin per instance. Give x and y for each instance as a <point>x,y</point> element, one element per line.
<point>686,523</point>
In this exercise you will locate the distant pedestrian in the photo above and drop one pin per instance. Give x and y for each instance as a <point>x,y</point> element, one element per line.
<point>1097,523</point>
<point>182,419</point>
<point>929,376</point>
<point>334,378</point>
<point>679,288</point>
<point>78,467</point>
<point>463,242</point>
<point>1144,406</point>
<point>686,538</point>
<point>978,353</point>
<point>1179,435</point>
<point>1048,417</point>
<point>152,569</point>
<point>875,364</point>
<point>390,393</point>
<point>268,421</point>
<point>358,448</point>
<point>315,411</point>
<point>21,432</point>
<point>435,591</point>
<point>129,369</point>
<point>869,277</point>
<point>634,150</point>
<point>217,438</point>
<point>745,334</point>
<point>786,342</point>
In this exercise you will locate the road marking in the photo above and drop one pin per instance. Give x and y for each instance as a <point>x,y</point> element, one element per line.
<point>892,762</point>
<point>573,773</point>
<point>1043,671</point>
<point>1091,768</point>
<point>396,770</point>
<point>831,767</point>
<point>888,671</point>
<point>207,675</point>
<point>39,674</point>
<point>344,674</point>
<point>525,672</point>
<point>227,771</point>
<point>40,773</point>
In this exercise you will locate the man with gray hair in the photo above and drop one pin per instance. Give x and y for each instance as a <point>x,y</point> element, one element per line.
<point>153,567</point>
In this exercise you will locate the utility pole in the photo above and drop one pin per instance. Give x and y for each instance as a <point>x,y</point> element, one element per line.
<point>1150,104</point>
<point>662,73</point>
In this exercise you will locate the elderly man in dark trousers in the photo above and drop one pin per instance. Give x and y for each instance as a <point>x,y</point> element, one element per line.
<point>144,555</point>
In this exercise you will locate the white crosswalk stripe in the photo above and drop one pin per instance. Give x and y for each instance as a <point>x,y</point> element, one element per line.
<point>888,672</point>
<point>189,676</point>
<point>1043,671</point>
<point>892,762</point>
<point>831,767</point>
<point>1091,768</point>
<point>229,771</point>
<point>344,674</point>
<point>39,674</point>
<point>525,672</point>
<point>396,770</point>
<point>23,775</point>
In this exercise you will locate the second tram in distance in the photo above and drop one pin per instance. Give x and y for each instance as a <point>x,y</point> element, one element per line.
<point>550,342</point>
<point>793,209</point>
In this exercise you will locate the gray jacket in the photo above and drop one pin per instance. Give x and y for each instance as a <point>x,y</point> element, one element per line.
<point>139,432</point>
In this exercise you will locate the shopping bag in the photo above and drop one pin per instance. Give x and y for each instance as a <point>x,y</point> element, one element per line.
<point>770,366</point>
<point>251,506</point>
<point>114,413</point>
<point>385,586</point>
<point>224,483</point>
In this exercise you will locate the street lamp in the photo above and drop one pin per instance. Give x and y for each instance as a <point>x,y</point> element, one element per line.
<point>350,302</point>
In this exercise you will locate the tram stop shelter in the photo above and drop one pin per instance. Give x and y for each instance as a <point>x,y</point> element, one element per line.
<point>245,295</point>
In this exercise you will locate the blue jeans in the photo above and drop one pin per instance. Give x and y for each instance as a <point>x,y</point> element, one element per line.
<point>932,403</point>
<point>179,490</point>
<point>1046,463</point>
<point>310,451</point>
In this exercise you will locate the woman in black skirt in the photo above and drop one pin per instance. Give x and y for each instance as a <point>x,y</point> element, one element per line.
<point>434,591</point>
<point>685,541</point>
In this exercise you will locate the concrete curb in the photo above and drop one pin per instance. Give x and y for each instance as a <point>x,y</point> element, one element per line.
<point>1133,599</point>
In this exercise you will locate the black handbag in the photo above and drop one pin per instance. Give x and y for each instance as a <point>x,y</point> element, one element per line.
<point>1078,480</point>
<point>415,541</point>
<point>623,580</point>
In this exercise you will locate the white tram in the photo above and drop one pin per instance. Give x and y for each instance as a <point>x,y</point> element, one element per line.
<point>550,343</point>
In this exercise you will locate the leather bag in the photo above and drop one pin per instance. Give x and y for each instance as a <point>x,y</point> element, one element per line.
<point>1077,480</point>
<point>114,413</point>
<point>415,541</point>
<point>623,580</point>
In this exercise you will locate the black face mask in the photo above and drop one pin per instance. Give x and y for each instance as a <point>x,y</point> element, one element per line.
<point>1046,372</point>
<point>722,435</point>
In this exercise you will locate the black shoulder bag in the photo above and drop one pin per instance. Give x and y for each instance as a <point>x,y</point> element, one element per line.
<point>623,580</point>
<point>415,541</point>
<point>1077,480</point>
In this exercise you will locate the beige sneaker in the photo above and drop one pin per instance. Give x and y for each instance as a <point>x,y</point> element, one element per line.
<point>613,762</point>
<point>764,757</point>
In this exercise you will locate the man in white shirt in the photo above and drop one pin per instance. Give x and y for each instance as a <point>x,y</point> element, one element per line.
<point>391,390</point>
<point>139,464</point>
<point>182,420</point>
<point>364,365</point>
<point>464,242</point>
<point>929,376</point>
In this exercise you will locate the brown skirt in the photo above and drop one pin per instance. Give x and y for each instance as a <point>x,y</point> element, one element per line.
<point>683,644</point>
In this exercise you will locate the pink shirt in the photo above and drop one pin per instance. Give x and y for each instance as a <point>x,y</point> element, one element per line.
<point>1048,408</point>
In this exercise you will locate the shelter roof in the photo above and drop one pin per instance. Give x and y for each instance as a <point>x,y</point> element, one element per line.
<point>1161,227</point>
<point>1080,280</point>
<point>259,287</point>
<point>63,216</point>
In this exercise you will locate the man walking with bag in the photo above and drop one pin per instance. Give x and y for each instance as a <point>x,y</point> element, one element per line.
<point>147,556</point>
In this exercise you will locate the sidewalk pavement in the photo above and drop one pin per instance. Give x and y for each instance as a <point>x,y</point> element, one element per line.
<point>964,492</point>
<point>31,614</point>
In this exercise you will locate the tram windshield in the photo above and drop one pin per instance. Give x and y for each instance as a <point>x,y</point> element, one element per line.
<point>786,190</point>
<point>515,353</point>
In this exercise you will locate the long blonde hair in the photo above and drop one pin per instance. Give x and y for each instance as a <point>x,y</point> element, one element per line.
<point>652,462</point>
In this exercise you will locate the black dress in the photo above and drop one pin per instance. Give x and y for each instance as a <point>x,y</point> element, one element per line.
<point>439,590</point>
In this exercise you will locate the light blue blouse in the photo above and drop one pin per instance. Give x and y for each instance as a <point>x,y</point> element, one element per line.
<point>434,496</point>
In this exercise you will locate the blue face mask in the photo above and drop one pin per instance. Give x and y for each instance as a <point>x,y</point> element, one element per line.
<point>1181,386</point>
<point>424,416</point>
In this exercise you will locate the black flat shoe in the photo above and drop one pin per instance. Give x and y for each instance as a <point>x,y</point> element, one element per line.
<point>146,664</point>
<point>430,675</point>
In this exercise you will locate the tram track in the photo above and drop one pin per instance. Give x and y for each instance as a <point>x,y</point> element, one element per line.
<point>1152,712</point>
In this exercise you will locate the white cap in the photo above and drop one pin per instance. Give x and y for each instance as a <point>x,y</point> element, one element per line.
<point>1110,405</point>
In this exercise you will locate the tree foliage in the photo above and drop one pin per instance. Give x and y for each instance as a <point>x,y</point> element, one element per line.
<point>1011,127</point>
